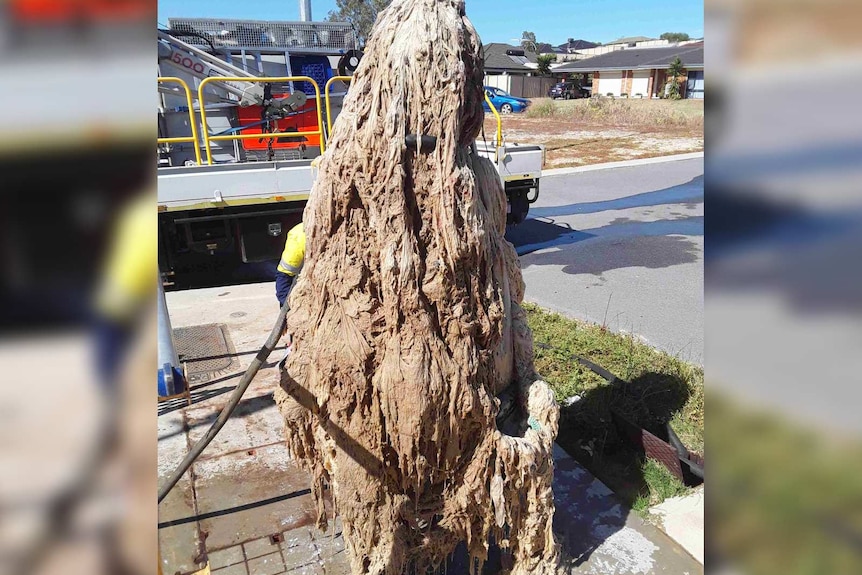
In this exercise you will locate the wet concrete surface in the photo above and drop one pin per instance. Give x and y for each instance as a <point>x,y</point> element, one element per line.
<point>246,508</point>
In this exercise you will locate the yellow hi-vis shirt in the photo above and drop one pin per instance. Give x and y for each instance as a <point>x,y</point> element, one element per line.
<point>129,276</point>
<point>294,251</point>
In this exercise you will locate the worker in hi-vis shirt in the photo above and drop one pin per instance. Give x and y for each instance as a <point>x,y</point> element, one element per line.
<point>128,285</point>
<point>291,263</point>
<point>289,267</point>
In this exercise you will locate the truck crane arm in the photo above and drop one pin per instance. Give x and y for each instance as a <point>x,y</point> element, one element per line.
<point>201,64</point>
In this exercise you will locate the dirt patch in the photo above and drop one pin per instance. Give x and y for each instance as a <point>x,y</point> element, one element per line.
<point>578,133</point>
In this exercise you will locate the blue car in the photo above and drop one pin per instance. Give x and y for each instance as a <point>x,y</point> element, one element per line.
<point>504,103</point>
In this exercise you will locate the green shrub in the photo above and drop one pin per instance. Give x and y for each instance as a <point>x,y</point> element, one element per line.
<point>674,72</point>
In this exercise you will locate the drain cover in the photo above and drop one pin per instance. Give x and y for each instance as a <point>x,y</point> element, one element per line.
<point>206,350</point>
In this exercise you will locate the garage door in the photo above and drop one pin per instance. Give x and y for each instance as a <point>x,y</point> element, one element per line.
<point>610,83</point>
<point>694,88</point>
<point>640,84</point>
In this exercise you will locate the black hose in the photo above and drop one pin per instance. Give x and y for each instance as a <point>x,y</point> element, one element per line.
<point>594,367</point>
<point>247,377</point>
<point>696,470</point>
<point>683,452</point>
<point>676,442</point>
<point>180,32</point>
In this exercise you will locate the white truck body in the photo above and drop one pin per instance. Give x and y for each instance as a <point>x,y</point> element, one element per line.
<point>240,204</point>
<point>219,185</point>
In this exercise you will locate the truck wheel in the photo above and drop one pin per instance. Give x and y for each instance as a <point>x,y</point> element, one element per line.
<point>519,206</point>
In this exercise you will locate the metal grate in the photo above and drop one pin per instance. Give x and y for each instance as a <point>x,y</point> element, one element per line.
<point>331,37</point>
<point>206,350</point>
<point>318,72</point>
<point>279,154</point>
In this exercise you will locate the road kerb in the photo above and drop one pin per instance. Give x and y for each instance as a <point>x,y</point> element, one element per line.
<point>622,164</point>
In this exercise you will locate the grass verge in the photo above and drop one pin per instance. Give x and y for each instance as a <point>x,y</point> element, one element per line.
<point>658,389</point>
<point>787,496</point>
<point>661,485</point>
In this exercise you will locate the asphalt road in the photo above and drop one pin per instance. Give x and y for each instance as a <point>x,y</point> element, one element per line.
<point>622,247</point>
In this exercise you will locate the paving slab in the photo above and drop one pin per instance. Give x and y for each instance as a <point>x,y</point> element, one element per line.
<point>309,570</point>
<point>226,557</point>
<point>682,518</point>
<point>601,536</point>
<point>244,497</point>
<point>255,422</point>
<point>248,506</point>
<point>260,547</point>
<point>300,556</point>
<point>267,564</point>
<point>238,569</point>
<point>179,543</point>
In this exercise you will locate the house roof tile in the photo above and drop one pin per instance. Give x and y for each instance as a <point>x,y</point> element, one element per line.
<point>497,59</point>
<point>691,56</point>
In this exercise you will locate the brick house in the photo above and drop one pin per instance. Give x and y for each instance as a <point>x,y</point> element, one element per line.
<point>641,71</point>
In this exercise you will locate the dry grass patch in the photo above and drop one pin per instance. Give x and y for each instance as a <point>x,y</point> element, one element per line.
<point>631,113</point>
<point>583,132</point>
<point>562,153</point>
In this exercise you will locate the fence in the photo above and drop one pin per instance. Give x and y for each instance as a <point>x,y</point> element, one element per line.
<point>522,86</point>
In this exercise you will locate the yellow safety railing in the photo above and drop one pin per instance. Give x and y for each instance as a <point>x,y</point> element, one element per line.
<point>326,97</point>
<point>207,138</point>
<point>499,138</point>
<point>184,139</point>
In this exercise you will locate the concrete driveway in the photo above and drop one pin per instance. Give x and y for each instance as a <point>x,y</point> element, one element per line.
<point>622,247</point>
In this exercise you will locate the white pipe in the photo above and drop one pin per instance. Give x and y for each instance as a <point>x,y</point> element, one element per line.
<point>305,10</point>
<point>167,352</point>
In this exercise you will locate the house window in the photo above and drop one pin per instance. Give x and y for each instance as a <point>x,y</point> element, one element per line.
<point>694,87</point>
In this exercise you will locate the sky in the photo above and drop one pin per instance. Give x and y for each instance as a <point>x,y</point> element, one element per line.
<point>553,21</point>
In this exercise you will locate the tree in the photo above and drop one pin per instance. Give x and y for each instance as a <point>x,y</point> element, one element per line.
<point>675,36</point>
<point>361,13</point>
<point>528,41</point>
<point>674,71</point>
<point>544,62</point>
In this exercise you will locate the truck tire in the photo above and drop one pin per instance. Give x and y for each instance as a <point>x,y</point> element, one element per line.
<point>519,205</point>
